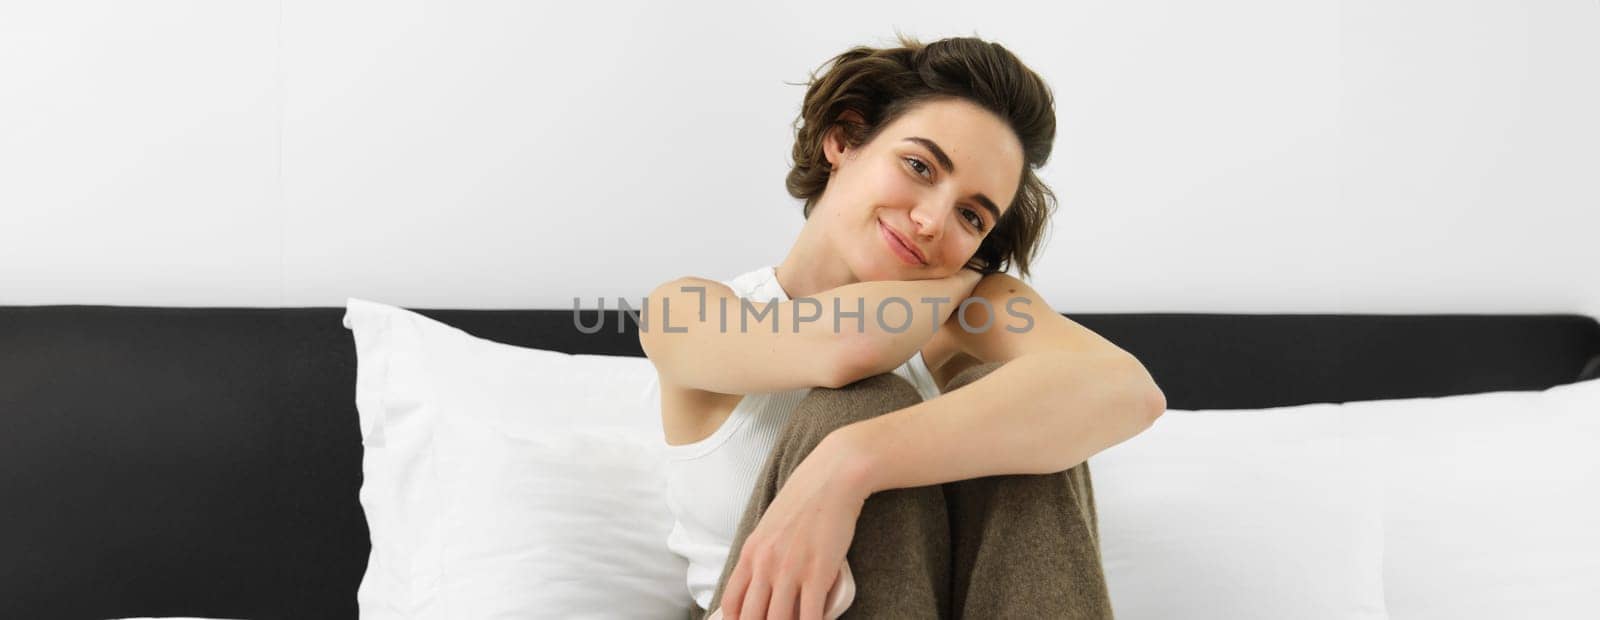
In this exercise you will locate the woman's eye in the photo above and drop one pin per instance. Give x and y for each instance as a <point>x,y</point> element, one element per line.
<point>977,220</point>
<point>917,165</point>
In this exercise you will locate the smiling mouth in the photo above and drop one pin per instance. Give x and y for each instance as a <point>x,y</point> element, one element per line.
<point>894,239</point>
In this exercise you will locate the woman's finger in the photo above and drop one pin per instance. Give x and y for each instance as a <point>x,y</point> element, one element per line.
<point>784,595</point>
<point>733,593</point>
<point>755,600</point>
<point>812,596</point>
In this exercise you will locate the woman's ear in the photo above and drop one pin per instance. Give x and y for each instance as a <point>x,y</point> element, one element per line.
<point>834,146</point>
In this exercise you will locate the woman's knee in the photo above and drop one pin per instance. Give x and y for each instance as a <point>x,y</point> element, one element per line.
<point>824,409</point>
<point>971,374</point>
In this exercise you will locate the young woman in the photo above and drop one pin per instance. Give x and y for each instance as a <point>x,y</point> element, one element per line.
<point>806,450</point>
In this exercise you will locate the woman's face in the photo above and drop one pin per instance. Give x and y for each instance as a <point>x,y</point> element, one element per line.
<point>928,177</point>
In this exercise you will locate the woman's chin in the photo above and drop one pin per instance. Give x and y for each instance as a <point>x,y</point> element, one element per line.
<point>901,275</point>
<point>890,268</point>
<point>890,271</point>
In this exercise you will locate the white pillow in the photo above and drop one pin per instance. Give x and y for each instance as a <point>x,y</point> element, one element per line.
<point>1239,514</point>
<point>1491,502</point>
<point>1485,504</point>
<point>502,481</point>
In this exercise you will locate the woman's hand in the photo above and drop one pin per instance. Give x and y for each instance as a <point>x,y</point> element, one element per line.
<point>970,277</point>
<point>959,286</point>
<point>793,555</point>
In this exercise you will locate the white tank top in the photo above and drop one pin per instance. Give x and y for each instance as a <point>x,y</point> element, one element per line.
<point>710,481</point>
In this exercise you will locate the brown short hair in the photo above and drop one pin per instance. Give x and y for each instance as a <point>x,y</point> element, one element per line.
<point>881,85</point>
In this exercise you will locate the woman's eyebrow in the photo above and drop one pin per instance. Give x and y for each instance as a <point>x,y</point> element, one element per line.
<point>938,153</point>
<point>950,168</point>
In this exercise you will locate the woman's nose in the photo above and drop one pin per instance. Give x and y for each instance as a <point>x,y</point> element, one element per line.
<point>925,225</point>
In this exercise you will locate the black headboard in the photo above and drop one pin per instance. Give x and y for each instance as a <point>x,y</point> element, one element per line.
<point>205,461</point>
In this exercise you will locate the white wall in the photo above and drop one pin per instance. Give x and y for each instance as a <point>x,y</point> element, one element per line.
<point>1361,156</point>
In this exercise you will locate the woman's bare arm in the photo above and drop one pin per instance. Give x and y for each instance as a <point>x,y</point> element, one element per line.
<point>710,340</point>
